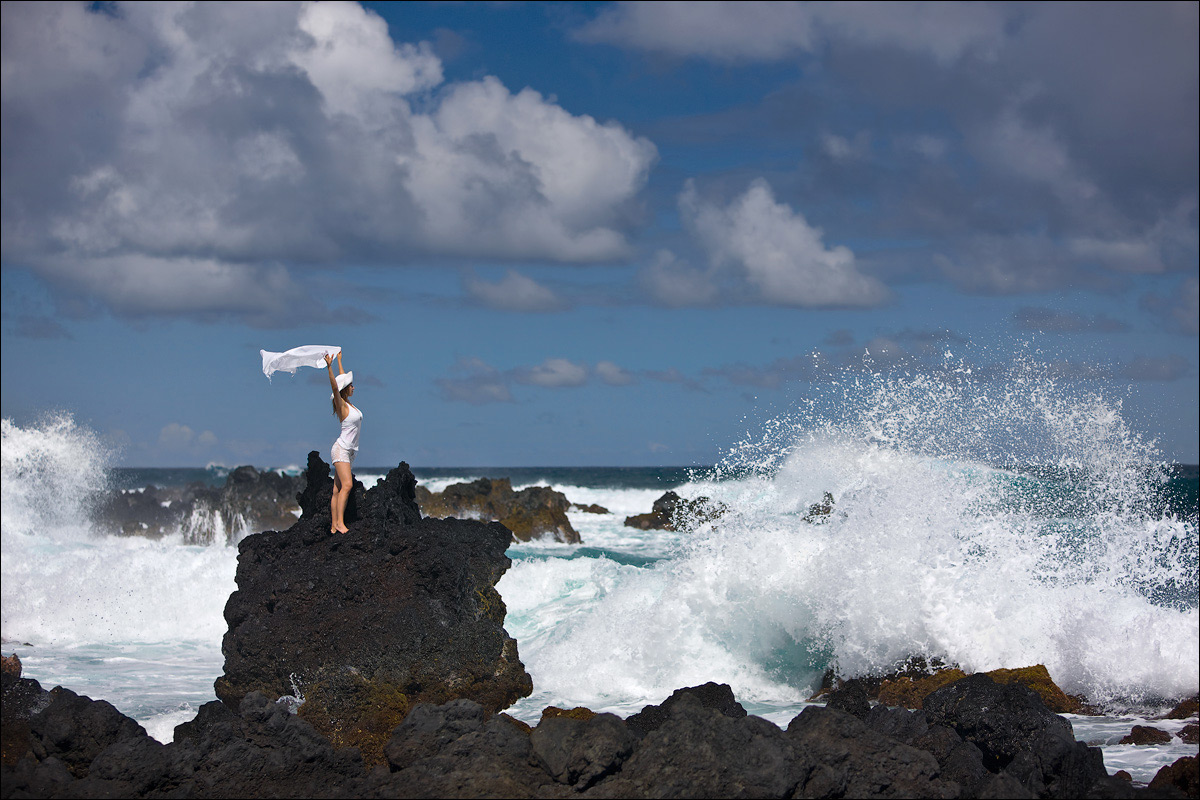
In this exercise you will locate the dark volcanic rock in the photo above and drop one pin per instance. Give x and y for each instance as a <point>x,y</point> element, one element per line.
<point>960,761</point>
<point>450,751</point>
<point>1183,775</point>
<point>1038,679</point>
<point>85,748</point>
<point>1185,708</point>
<point>249,501</point>
<point>836,755</point>
<point>698,751</point>
<point>1190,734</point>
<point>717,696</point>
<point>1144,734</point>
<point>262,750</point>
<point>580,752</point>
<point>20,699</point>
<point>428,729</point>
<point>533,512</point>
<point>75,729</point>
<point>399,610</point>
<point>1018,735</point>
<point>851,697</point>
<point>699,746</point>
<point>819,512</point>
<point>672,512</point>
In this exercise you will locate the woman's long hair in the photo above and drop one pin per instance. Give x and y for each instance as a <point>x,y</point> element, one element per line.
<point>333,400</point>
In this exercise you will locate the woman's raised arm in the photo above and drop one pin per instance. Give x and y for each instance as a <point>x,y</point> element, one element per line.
<point>339,405</point>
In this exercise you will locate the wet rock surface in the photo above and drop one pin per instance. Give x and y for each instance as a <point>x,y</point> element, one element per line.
<point>1145,734</point>
<point>532,513</point>
<point>1184,709</point>
<point>249,501</point>
<point>672,512</point>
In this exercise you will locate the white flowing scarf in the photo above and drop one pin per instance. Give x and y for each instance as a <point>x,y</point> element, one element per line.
<point>310,355</point>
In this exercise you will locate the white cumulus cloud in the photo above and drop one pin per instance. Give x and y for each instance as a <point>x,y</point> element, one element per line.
<point>783,257</point>
<point>241,135</point>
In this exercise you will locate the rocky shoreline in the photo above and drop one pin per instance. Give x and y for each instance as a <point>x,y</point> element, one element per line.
<point>976,738</point>
<point>376,664</point>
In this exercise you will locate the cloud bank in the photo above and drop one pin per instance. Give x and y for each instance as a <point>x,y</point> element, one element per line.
<point>188,158</point>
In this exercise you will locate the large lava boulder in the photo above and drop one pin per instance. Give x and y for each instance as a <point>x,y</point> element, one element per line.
<point>1017,735</point>
<point>674,513</point>
<point>532,513</point>
<point>363,625</point>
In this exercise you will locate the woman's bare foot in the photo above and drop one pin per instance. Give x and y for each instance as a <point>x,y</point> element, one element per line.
<point>343,530</point>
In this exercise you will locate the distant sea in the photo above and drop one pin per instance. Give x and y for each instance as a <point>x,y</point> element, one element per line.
<point>1068,544</point>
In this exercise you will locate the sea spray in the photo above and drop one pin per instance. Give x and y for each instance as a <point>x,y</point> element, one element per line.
<point>126,619</point>
<point>51,474</point>
<point>990,518</point>
<point>63,584</point>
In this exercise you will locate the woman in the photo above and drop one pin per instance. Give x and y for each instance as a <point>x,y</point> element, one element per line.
<point>346,447</point>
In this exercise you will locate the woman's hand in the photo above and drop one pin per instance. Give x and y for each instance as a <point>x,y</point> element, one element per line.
<point>328,360</point>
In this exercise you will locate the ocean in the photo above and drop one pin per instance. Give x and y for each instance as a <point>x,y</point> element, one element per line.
<point>972,523</point>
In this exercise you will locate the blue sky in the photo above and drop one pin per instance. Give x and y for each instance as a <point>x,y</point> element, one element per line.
<point>585,234</point>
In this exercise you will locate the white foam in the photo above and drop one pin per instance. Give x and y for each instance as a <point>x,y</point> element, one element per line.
<point>63,584</point>
<point>929,551</point>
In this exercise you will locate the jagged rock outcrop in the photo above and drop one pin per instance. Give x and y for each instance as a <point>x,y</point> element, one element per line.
<point>531,513</point>
<point>715,696</point>
<point>1146,734</point>
<point>1184,709</point>
<point>979,739</point>
<point>819,512</point>
<point>672,512</point>
<point>249,501</point>
<point>1183,775</point>
<point>365,625</point>
<point>1016,734</point>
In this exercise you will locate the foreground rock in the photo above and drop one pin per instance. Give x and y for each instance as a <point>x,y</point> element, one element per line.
<point>401,610</point>
<point>978,739</point>
<point>910,690</point>
<point>1182,776</point>
<point>249,501</point>
<point>531,513</point>
<point>672,513</point>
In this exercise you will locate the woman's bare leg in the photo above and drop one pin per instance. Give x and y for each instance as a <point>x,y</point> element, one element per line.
<point>343,481</point>
<point>333,500</point>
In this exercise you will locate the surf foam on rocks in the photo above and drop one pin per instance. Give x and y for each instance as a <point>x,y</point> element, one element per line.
<point>393,638</point>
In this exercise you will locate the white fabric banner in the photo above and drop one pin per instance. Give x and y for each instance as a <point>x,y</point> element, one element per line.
<point>310,355</point>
